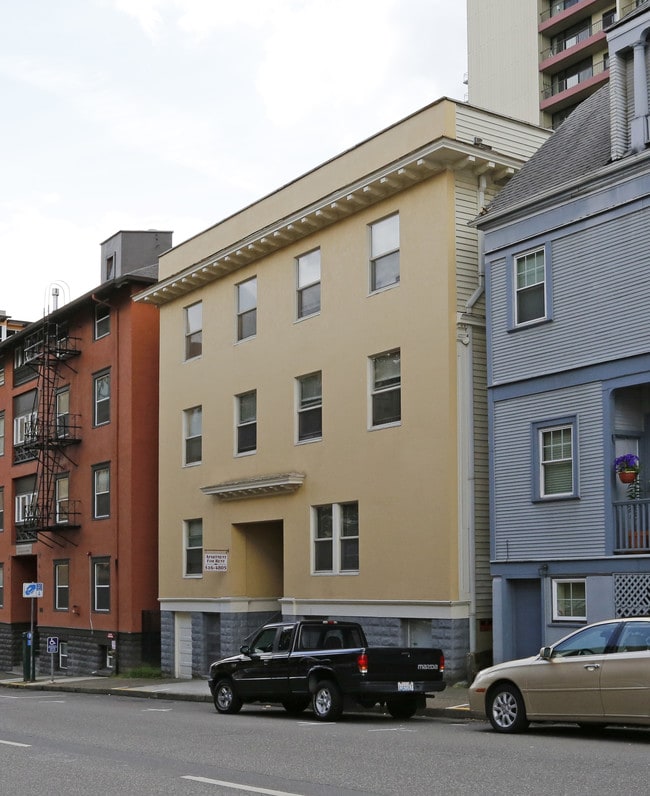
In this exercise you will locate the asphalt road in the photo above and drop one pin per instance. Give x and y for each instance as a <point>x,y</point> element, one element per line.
<point>61,743</point>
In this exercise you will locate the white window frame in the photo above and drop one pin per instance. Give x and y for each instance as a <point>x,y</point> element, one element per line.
<point>24,428</point>
<point>306,406</point>
<point>62,413</point>
<point>2,585</point>
<point>336,541</point>
<point>377,390</point>
<point>99,588</point>
<point>192,434</point>
<point>193,320</point>
<point>384,250</point>
<point>546,462</point>
<point>187,547</point>
<point>98,471</point>
<point>2,509</point>
<point>558,616</point>
<point>2,433</point>
<point>100,401</point>
<point>535,284</point>
<point>63,655</point>
<point>24,503</point>
<point>307,281</point>
<point>60,588</point>
<point>243,424</point>
<point>62,500</point>
<point>245,309</point>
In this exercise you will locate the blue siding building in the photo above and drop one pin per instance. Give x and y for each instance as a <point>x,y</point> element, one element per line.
<point>567,274</point>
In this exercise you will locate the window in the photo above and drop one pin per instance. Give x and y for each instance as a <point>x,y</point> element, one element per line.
<point>385,388</point>
<point>530,287</point>
<point>63,654</point>
<point>102,398</point>
<point>194,330</point>
<point>2,585</point>
<point>101,491</point>
<point>63,414</point>
<point>193,547</point>
<point>193,435</point>
<point>247,422</point>
<point>102,320</point>
<point>384,253</point>
<point>2,375</point>
<point>569,600</point>
<point>555,457</point>
<point>247,309</point>
<point>2,508</point>
<point>336,538</point>
<point>61,585</point>
<point>2,433</point>
<point>310,407</point>
<point>309,284</point>
<point>25,428</point>
<point>25,507</point>
<point>61,499</point>
<point>101,586</point>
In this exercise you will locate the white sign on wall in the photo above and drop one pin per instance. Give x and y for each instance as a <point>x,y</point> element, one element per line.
<point>215,561</point>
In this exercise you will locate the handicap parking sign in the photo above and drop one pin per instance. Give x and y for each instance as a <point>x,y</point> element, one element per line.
<point>52,644</point>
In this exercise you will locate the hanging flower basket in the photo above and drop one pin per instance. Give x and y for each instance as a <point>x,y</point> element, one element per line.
<point>627,476</point>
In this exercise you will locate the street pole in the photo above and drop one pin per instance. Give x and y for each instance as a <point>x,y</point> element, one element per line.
<point>32,676</point>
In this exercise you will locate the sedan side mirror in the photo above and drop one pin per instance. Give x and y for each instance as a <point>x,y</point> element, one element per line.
<point>545,653</point>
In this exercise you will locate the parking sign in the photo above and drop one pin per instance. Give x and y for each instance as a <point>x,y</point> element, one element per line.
<point>53,644</point>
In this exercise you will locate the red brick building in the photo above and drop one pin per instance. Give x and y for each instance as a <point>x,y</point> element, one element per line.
<point>79,472</point>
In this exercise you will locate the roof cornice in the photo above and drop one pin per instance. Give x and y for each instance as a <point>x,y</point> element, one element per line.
<point>438,156</point>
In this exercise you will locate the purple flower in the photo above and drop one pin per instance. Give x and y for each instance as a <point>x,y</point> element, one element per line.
<point>628,461</point>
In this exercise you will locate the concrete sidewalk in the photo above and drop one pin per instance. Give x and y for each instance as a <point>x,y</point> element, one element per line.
<point>450,703</point>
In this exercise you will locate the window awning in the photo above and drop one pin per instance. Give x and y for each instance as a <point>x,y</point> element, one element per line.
<point>260,486</point>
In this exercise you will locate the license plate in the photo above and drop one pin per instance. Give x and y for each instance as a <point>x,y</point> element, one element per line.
<point>405,685</point>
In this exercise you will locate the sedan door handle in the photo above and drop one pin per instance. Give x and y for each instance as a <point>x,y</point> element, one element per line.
<point>591,667</point>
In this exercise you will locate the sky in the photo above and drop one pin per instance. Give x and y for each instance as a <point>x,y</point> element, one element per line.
<point>174,114</point>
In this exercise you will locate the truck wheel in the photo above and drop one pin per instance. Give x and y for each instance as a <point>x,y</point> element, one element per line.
<point>327,701</point>
<point>295,705</point>
<point>402,707</point>
<point>505,709</point>
<point>225,698</point>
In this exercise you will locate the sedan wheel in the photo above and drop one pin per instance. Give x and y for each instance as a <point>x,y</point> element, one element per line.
<point>505,709</point>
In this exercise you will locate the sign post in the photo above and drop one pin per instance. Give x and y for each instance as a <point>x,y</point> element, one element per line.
<point>32,591</point>
<point>52,648</point>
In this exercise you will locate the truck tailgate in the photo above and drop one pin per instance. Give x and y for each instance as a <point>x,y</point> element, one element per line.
<point>416,664</point>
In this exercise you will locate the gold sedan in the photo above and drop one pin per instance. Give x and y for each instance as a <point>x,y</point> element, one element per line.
<point>595,676</point>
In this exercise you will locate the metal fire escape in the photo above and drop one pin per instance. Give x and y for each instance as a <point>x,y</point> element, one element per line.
<point>50,436</point>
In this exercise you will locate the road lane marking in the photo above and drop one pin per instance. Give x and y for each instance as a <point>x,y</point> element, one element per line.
<point>156,710</point>
<point>394,729</point>
<point>237,786</point>
<point>14,743</point>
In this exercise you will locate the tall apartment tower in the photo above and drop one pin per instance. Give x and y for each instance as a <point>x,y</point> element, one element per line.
<point>537,59</point>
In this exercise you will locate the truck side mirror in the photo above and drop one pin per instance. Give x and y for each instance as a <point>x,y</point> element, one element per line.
<point>245,650</point>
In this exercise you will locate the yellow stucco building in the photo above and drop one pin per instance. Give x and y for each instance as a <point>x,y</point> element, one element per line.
<point>322,399</point>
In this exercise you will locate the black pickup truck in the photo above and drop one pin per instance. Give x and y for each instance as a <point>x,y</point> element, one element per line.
<point>327,664</point>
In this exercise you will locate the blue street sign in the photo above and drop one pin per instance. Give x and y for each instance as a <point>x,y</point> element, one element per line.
<point>32,590</point>
<point>53,644</point>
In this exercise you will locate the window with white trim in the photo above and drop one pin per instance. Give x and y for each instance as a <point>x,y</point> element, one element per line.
<point>384,253</point>
<point>193,330</point>
<point>61,499</point>
<point>335,538</point>
<point>569,599</point>
<point>61,585</point>
<point>193,534</point>
<point>556,450</point>
<point>2,508</point>
<point>25,428</point>
<point>102,398</point>
<point>2,585</point>
<point>63,655</point>
<point>385,389</point>
<point>247,309</point>
<point>310,407</point>
<point>101,491</point>
<point>101,585</point>
<point>530,287</point>
<point>246,422</point>
<point>2,433</point>
<point>193,435</point>
<point>62,409</point>
<point>308,267</point>
<point>25,507</point>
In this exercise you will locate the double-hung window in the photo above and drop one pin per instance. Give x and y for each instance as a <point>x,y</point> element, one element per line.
<point>102,398</point>
<point>555,459</point>
<point>308,284</point>
<point>2,433</point>
<point>2,585</point>
<point>246,419</point>
<point>61,499</point>
<point>335,536</point>
<point>385,389</point>
<point>62,413</point>
<point>310,407</point>
<point>530,287</point>
<point>25,428</point>
<point>247,309</point>
<point>61,585</point>
<point>193,435</point>
<point>101,491</point>
<point>102,320</point>
<point>2,508</point>
<point>25,508</point>
<point>193,330</point>
<point>101,585</point>
<point>384,253</point>
<point>193,532</point>
<point>569,600</point>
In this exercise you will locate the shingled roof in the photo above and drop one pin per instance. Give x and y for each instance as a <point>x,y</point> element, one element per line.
<point>580,146</point>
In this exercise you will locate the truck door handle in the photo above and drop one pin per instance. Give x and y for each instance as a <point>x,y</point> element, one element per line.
<point>591,667</point>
